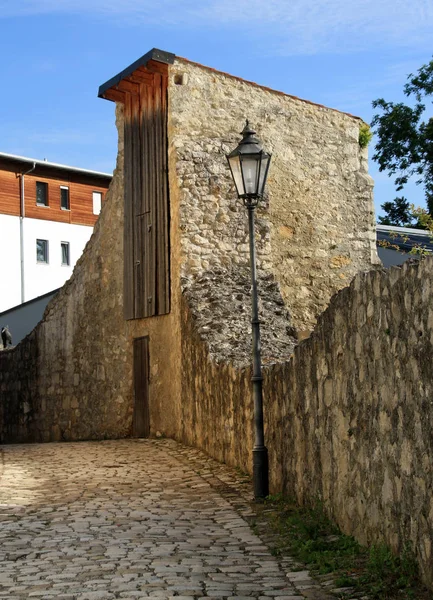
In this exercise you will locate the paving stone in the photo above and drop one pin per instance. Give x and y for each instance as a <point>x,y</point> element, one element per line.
<point>131,519</point>
<point>283,598</point>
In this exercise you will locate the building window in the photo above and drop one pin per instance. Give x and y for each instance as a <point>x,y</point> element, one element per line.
<point>42,251</point>
<point>97,202</point>
<point>65,253</point>
<point>41,193</point>
<point>64,197</point>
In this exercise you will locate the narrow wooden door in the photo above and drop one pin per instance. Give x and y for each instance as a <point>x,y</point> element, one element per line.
<point>141,419</point>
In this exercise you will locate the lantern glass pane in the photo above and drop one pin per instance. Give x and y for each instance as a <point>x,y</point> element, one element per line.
<point>235,165</point>
<point>265,160</point>
<point>250,171</point>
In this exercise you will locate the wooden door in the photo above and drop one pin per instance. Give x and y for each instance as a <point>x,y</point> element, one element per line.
<point>141,418</point>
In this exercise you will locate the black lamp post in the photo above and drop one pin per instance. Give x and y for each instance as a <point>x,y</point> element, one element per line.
<point>249,165</point>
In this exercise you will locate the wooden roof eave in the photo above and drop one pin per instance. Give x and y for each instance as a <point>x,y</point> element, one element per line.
<point>141,71</point>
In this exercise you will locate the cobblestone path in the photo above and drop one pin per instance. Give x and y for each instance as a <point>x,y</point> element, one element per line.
<point>131,519</point>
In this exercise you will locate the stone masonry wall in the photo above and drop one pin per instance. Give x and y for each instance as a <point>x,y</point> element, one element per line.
<point>18,390</point>
<point>72,377</point>
<point>349,415</point>
<point>220,301</point>
<point>349,418</point>
<point>79,389</point>
<point>84,376</point>
<point>315,230</point>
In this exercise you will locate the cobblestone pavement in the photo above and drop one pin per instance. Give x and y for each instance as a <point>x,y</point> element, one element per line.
<point>132,519</point>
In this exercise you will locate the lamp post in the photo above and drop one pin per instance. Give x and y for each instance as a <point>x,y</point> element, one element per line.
<point>249,165</point>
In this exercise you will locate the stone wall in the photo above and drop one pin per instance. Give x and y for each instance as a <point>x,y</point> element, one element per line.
<point>84,348</point>
<point>80,390</point>
<point>18,390</point>
<point>349,417</point>
<point>315,230</point>
<point>80,356</point>
<point>220,301</point>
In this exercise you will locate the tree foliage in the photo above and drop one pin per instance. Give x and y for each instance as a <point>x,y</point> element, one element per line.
<point>397,212</point>
<point>402,214</point>
<point>405,146</point>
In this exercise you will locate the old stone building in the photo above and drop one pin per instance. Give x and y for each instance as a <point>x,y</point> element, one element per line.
<point>172,239</point>
<point>151,335</point>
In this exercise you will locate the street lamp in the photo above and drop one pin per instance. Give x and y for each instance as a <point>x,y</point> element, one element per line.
<point>249,165</point>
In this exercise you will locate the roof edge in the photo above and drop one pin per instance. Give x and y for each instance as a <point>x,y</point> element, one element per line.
<point>28,302</point>
<point>154,54</point>
<point>403,230</point>
<point>51,165</point>
<point>169,58</point>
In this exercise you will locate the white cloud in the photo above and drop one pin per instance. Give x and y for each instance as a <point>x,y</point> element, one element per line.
<point>294,26</point>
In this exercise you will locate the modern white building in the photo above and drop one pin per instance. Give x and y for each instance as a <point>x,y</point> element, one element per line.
<point>51,250</point>
<point>47,214</point>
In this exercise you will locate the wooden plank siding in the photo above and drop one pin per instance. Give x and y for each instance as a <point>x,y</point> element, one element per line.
<point>9,193</point>
<point>128,220</point>
<point>80,195</point>
<point>163,213</point>
<point>146,226</point>
<point>80,199</point>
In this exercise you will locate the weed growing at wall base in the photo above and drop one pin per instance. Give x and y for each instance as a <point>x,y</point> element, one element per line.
<point>306,534</point>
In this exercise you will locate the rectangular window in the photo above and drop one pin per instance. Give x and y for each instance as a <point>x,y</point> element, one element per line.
<point>97,202</point>
<point>65,253</point>
<point>64,197</point>
<point>42,251</point>
<point>41,193</point>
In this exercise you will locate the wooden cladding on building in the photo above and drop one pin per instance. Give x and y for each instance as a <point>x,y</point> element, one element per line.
<point>9,192</point>
<point>80,193</point>
<point>146,224</point>
<point>80,201</point>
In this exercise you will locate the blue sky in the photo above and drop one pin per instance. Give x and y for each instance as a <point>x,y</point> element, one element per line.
<point>56,53</point>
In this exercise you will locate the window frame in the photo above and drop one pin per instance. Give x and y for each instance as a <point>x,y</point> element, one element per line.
<point>68,246</point>
<point>93,202</point>
<point>45,186</point>
<point>46,253</point>
<point>68,207</point>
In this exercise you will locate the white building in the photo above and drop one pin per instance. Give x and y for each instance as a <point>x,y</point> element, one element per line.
<point>47,214</point>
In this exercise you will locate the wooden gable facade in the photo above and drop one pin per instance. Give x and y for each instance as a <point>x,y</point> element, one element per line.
<point>142,89</point>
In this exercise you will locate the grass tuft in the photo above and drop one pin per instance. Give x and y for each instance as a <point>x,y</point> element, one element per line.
<point>309,536</point>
